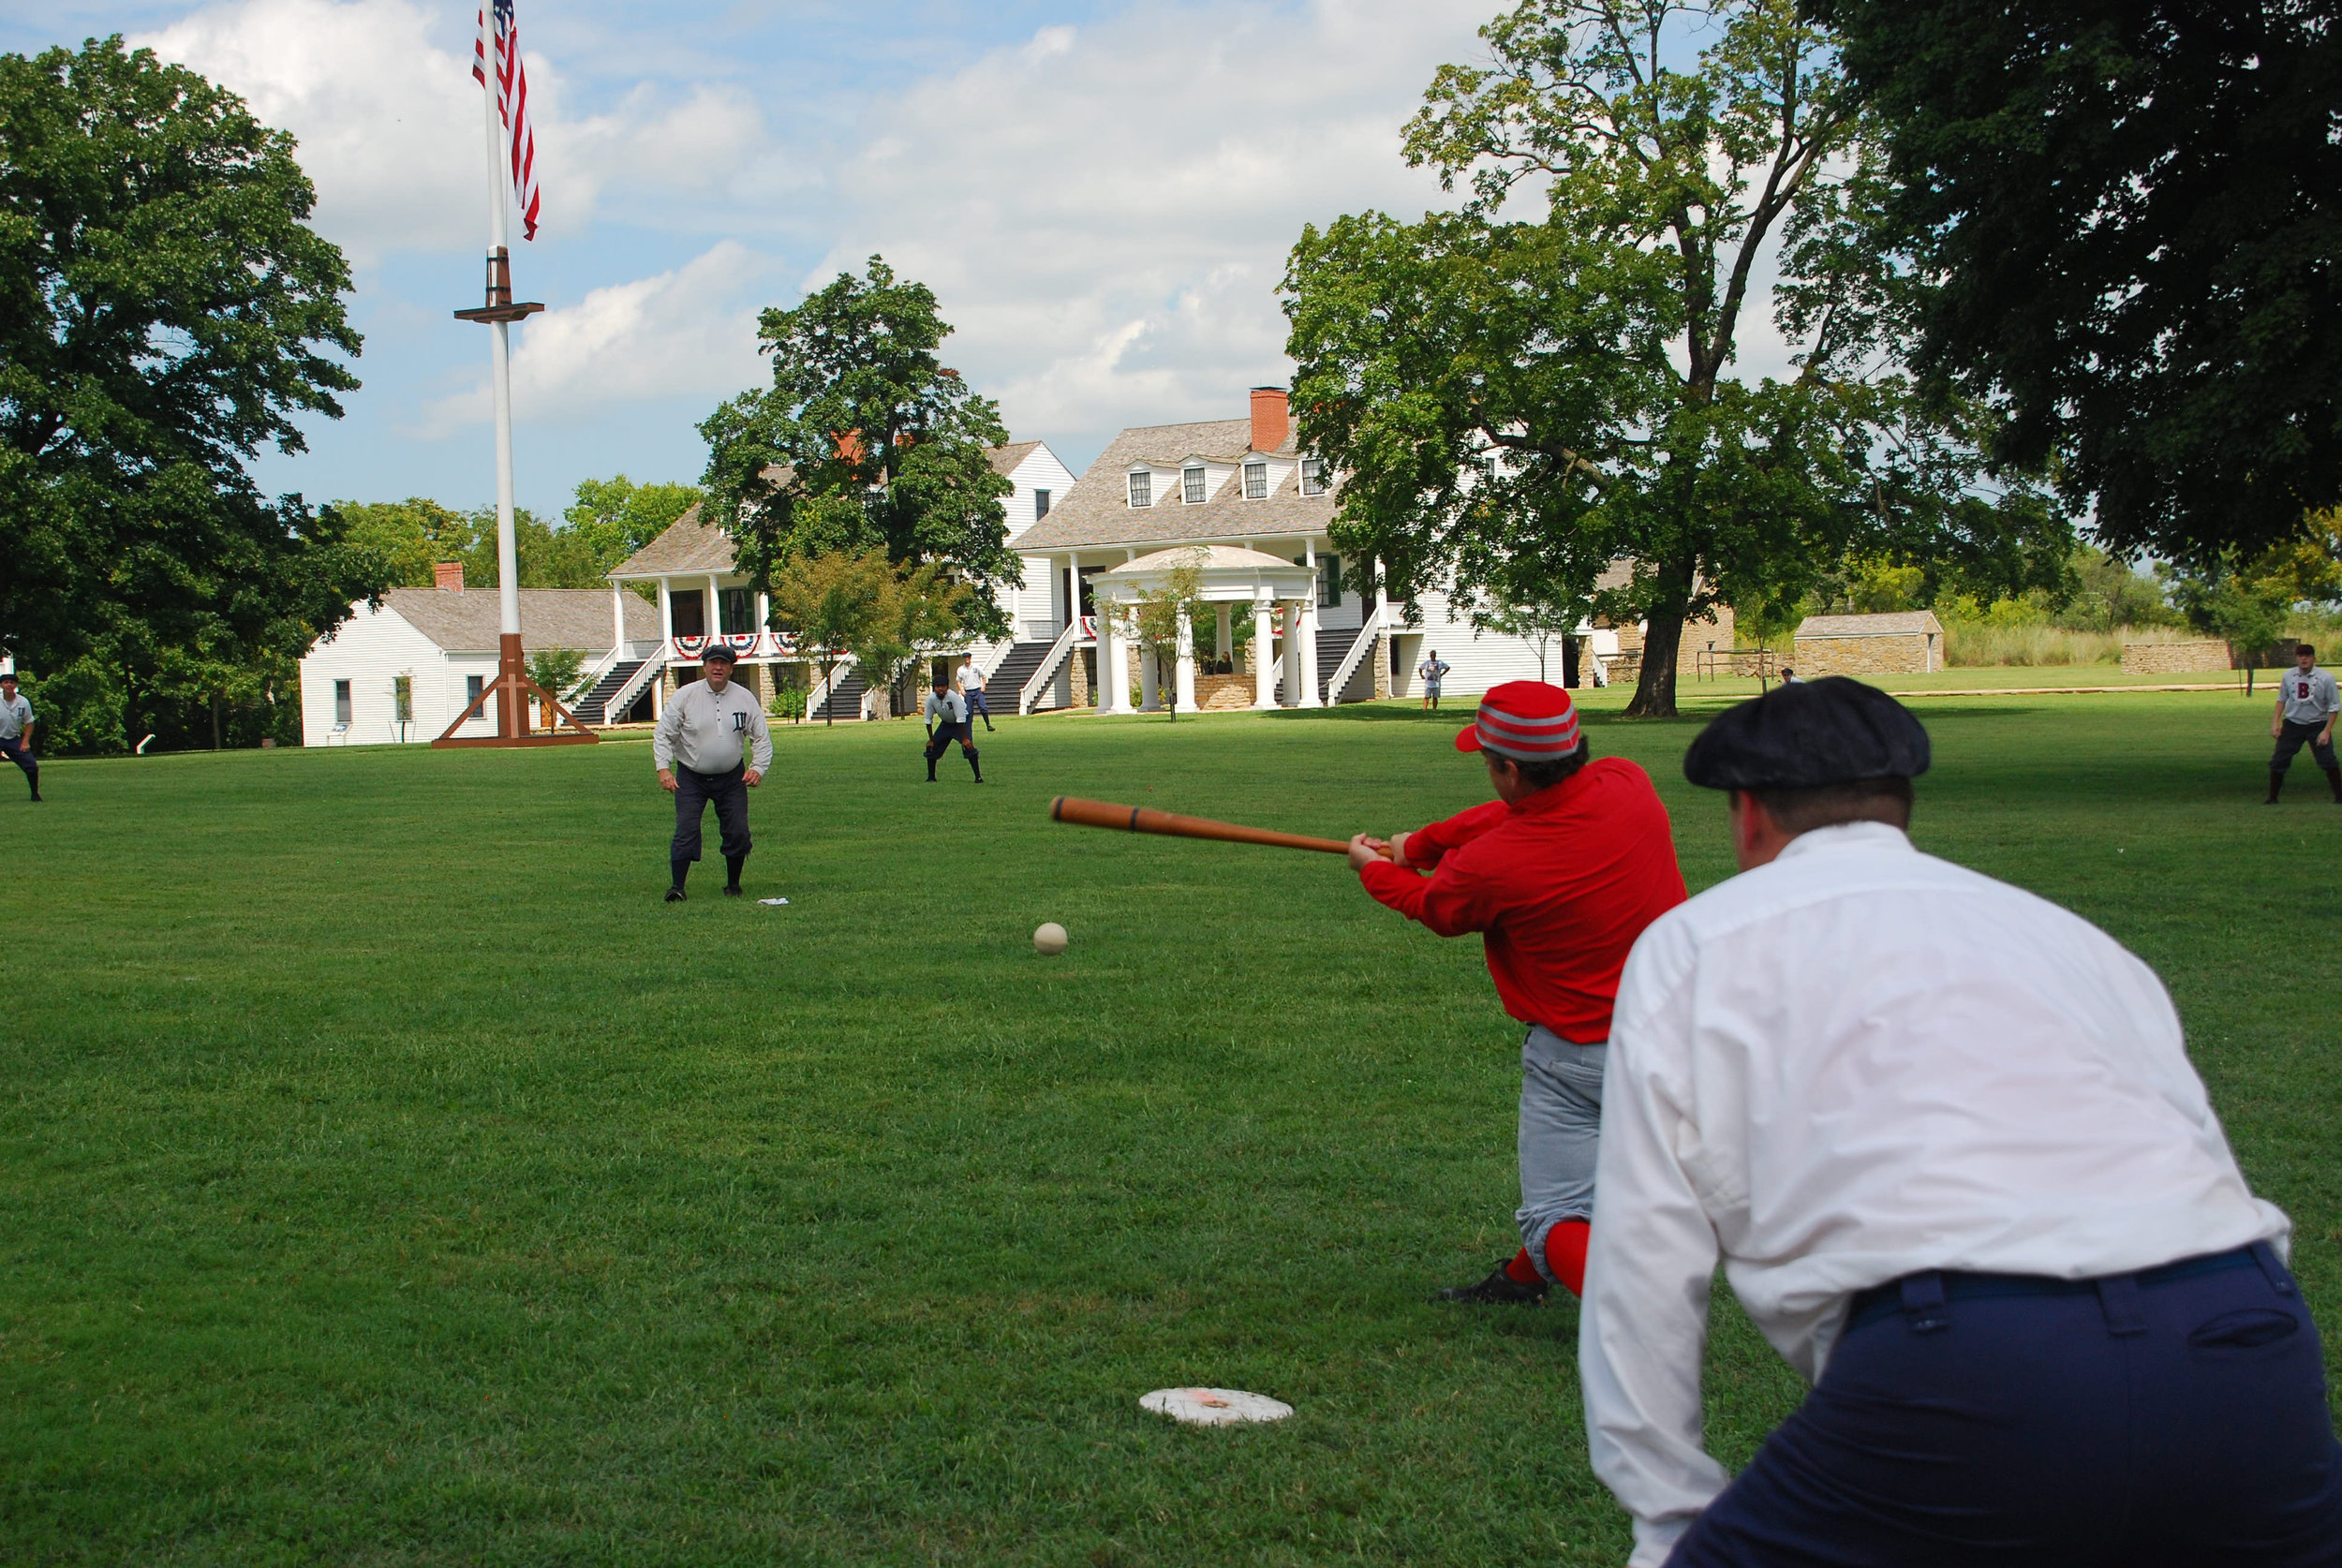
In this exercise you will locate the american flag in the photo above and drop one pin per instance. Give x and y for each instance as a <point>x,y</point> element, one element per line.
<point>499,42</point>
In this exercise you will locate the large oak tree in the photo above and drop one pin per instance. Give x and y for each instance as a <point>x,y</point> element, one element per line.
<point>165,312</point>
<point>880,445</point>
<point>1519,394</point>
<point>2130,214</point>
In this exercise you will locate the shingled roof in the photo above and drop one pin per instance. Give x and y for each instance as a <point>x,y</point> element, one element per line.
<point>550,617</point>
<point>1899,623</point>
<point>1098,510</point>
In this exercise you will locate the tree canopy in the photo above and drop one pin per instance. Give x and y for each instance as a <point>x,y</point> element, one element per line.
<point>612,518</point>
<point>1520,399</point>
<point>165,311</point>
<point>882,445</point>
<point>2130,220</point>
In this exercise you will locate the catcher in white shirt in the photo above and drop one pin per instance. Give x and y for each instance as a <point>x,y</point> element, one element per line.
<point>1945,1142</point>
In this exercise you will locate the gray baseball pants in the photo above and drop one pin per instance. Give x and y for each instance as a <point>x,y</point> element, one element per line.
<point>1561,1132</point>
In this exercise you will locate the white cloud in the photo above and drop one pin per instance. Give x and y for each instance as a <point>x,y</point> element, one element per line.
<point>1104,213</point>
<point>392,126</point>
<point>687,332</point>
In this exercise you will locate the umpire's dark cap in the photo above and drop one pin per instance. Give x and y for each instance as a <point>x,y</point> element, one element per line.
<point>718,654</point>
<point>1808,734</point>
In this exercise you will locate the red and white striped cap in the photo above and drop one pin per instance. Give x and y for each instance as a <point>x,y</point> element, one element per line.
<point>1528,722</point>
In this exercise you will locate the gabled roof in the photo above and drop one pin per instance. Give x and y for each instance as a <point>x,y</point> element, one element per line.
<point>689,545</point>
<point>470,622</point>
<point>1899,623</point>
<point>1098,511</point>
<point>1004,459</point>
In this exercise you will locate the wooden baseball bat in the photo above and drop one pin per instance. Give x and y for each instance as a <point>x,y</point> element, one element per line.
<point>1141,819</point>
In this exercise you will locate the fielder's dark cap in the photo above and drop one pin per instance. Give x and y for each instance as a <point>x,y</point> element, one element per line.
<point>1806,735</point>
<point>718,654</point>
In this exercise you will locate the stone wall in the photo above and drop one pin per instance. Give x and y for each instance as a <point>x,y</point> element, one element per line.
<point>2175,659</point>
<point>1223,693</point>
<point>1905,654</point>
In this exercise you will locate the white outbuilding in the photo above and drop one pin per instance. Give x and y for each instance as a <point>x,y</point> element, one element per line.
<point>401,673</point>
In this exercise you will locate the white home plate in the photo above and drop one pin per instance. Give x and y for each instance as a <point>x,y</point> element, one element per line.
<point>1214,1407</point>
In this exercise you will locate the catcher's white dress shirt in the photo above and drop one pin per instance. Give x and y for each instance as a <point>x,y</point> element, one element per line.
<point>1856,1063</point>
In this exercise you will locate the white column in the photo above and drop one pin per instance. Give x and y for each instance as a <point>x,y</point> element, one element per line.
<point>1228,631</point>
<point>1309,698</point>
<point>1068,584</point>
<point>1149,679</point>
<point>1292,652</point>
<point>1264,654</point>
<point>714,609</point>
<point>1110,698</point>
<point>1183,687</point>
<point>617,619</point>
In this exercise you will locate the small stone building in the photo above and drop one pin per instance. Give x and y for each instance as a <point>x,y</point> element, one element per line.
<point>1904,643</point>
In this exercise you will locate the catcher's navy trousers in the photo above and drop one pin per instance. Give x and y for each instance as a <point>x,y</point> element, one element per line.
<point>2173,1418</point>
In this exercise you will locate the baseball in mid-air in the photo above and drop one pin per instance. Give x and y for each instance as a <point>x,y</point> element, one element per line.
<point>1049,939</point>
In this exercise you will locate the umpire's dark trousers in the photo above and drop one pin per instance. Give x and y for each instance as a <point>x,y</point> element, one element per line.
<point>2172,1418</point>
<point>694,792</point>
<point>22,755</point>
<point>2292,737</point>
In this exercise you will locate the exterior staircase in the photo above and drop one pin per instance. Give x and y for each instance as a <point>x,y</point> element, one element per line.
<point>590,707</point>
<point>844,701</point>
<point>1002,684</point>
<point>1333,647</point>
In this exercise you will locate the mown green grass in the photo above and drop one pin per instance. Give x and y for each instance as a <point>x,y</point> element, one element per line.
<point>386,1177</point>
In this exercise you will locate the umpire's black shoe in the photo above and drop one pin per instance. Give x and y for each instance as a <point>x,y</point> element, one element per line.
<point>1499,1289</point>
<point>675,895</point>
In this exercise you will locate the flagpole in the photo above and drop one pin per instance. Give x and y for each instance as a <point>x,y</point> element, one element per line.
<point>511,710</point>
<point>499,70</point>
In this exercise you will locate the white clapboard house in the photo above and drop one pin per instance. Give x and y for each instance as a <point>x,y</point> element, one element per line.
<point>403,672</point>
<point>1239,500</point>
<point>702,596</point>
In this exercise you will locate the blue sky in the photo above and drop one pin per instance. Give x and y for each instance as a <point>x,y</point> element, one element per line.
<point>1101,194</point>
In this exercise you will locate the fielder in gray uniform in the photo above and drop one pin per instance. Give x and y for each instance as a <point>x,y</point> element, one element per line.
<point>2307,704</point>
<point>16,732</point>
<point>700,746</point>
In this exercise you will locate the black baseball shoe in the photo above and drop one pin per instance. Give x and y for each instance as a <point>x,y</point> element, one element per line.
<point>1499,1289</point>
<point>731,890</point>
<point>675,895</point>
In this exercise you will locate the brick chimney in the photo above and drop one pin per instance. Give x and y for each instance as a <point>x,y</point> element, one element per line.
<point>448,575</point>
<point>1272,418</point>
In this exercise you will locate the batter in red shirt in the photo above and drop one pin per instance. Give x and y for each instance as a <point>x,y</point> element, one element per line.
<point>1559,875</point>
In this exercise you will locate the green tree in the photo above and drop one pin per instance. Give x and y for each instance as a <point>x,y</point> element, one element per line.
<point>919,607</point>
<point>864,439</point>
<point>413,537</point>
<point>615,517</point>
<point>1506,395</point>
<point>416,534</point>
<point>827,602</point>
<point>556,669</point>
<point>165,311</point>
<point>2130,219</point>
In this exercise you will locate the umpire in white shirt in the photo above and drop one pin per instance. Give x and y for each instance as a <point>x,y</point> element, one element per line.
<point>1945,1140</point>
<point>700,746</point>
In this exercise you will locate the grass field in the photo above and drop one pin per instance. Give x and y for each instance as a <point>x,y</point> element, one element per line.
<point>386,1177</point>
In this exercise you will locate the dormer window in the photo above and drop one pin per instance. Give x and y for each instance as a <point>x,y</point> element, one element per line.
<point>1142,487</point>
<point>1256,480</point>
<point>1192,484</point>
<point>1313,476</point>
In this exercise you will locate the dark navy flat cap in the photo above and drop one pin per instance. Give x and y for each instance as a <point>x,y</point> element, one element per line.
<point>1807,735</point>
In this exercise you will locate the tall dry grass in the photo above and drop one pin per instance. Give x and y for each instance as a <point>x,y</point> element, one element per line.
<point>1975,644</point>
